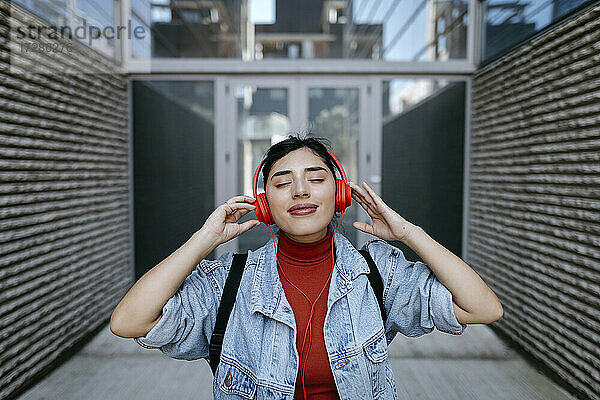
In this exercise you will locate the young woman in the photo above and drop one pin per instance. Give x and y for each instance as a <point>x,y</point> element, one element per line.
<point>306,323</point>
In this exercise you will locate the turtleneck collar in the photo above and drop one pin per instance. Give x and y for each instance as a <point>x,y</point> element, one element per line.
<point>304,253</point>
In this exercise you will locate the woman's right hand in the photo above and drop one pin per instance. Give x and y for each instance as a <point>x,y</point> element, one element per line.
<point>222,224</point>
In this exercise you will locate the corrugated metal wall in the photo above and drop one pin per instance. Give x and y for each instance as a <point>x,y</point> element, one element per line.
<point>534,230</point>
<point>64,207</point>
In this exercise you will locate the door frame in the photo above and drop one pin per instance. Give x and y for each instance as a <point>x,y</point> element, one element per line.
<point>369,149</point>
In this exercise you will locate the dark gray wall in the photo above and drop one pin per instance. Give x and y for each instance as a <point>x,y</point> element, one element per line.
<point>534,230</point>
<point>173,170</point>
<point>64,204</point>
<point>422,169</point>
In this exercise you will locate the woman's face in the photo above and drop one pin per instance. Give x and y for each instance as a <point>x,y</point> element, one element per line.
<point>301,177</point>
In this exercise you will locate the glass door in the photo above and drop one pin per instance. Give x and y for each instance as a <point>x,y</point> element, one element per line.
<point>342,109</point>
<point>259,112</point>
<point>333,113</point>
<point>262,118</point>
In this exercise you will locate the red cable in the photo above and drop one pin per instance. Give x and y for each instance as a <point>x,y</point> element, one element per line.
<point>312,308</point>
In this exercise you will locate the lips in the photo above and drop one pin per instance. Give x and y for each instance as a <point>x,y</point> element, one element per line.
<point>304,211</point>
<point>302,208</point>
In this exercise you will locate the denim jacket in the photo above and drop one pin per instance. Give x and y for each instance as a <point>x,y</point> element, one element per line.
<point>259,359</point>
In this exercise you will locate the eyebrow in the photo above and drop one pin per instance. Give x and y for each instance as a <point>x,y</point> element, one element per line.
<point>287,171</point>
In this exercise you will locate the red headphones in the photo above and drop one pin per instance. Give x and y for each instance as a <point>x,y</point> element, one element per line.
<point>343,194</point>
<point>343,198</point>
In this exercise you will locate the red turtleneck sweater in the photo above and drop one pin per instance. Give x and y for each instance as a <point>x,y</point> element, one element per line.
<point>308,266</point>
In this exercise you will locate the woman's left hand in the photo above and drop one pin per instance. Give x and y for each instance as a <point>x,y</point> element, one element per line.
<point>386,223</point>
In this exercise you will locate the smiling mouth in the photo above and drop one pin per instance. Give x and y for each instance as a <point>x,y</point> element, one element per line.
<point>303,211</point>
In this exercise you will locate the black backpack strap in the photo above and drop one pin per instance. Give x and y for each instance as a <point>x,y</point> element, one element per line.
<point>376,282</point>
<point>227,300</point>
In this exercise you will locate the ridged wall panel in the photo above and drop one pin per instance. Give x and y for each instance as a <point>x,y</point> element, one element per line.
<point>534,199</point>
<point>64,203</point>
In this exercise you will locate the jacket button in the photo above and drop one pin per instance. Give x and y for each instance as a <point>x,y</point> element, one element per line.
<point>228,379</point>
<point>286,309</point>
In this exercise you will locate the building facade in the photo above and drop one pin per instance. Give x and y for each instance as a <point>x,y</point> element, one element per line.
<point>476,120</point>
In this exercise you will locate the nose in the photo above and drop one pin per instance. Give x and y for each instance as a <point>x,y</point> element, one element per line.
<point>301,189</point>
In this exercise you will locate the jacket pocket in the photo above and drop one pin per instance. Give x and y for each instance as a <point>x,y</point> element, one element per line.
<point>233,379</point>
<point>375,350</point>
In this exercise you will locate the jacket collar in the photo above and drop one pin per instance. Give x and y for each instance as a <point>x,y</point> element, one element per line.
<point>267,291</point>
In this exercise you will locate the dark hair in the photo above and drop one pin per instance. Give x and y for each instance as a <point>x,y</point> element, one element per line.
<point>295,142</point>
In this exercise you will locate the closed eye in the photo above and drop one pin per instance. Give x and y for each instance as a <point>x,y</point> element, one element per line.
<point>311,180</point>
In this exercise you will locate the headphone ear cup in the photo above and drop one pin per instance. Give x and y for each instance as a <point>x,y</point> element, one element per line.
<point>343,195</point>
<point>262,210</point>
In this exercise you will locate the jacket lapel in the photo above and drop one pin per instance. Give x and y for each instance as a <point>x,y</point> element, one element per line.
<point>267,292</point>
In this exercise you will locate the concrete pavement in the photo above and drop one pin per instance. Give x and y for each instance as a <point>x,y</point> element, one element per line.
<point>475,365</point>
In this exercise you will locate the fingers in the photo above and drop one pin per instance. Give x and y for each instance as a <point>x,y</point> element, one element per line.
<point>241,198</point>
<point>248,224</point>
<point>360,192</point>
<point>229,207</point>
<point>361,195</point>
<point>236,214</point>
<point>236,210</point>
<point>368,195</point>
<point>362,226</point>
<point>234,203</point>
<point>374,196</point>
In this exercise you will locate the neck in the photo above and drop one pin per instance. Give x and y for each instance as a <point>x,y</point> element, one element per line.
<point>310,238</point>
<point>301,254</point>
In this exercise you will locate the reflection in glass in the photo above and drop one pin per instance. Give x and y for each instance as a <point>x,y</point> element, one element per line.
<point>508,23</point>
<point>334,114</point>
<point>73,19</point>
<point>55,12</point>
<point>184,28</point>
<point>141,46</point>
<point>401,94</point>
<point>393,30</point>
<point>262,120</point>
